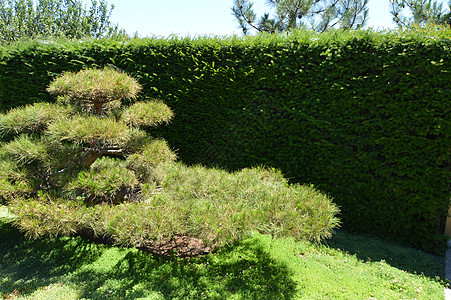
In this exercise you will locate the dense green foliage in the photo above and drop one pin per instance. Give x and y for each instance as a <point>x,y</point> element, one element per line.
<point>362,115</point>
<point>319,15</point>
<point>420,12</point>
<point>215,206</point>
<point>22,19</point>
<point>60,147</point>
<point>83,166</point>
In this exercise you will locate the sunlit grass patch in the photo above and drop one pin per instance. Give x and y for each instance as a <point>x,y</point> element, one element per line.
<point>257,267</point>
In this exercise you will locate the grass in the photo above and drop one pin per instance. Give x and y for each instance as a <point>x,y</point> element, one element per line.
<point>258,267</point>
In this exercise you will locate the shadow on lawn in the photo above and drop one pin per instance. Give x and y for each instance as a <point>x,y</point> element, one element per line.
<point>36,263</point>
<point>371,248</point>
<point>243,270</point>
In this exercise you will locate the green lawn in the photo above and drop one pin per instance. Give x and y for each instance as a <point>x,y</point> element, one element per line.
<point>345,267</point>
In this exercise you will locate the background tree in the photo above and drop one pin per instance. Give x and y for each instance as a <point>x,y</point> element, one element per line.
<point>54,18</point>
<point>408,12</point>
<point>319,15</point>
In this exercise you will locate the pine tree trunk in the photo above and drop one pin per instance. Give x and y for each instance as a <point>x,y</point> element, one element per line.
<point>99,109</point>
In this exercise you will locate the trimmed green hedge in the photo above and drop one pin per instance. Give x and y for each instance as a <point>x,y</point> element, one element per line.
<point>362,115</point>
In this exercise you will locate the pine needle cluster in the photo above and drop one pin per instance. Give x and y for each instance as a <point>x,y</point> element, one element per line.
<point>57,146</point>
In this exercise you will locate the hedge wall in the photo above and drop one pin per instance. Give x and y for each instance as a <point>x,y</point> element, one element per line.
<point>363,115</point>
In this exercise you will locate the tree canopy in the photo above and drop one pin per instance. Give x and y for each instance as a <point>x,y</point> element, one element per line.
<point>54,18</point>
<point>319,15</point>
<point>407,13</point>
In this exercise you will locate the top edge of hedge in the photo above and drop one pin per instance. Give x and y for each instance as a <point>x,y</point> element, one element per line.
<point>428,35</point>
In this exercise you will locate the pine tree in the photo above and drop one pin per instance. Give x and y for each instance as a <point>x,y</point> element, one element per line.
<point>318,15</point>
<point>88,144</point>
<point>85,165</point>
<point>420,12</point>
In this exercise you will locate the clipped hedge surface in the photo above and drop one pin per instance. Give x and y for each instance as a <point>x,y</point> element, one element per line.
<point>362,115</point>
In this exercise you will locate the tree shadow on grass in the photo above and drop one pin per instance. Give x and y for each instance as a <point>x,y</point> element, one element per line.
<point>32,264</point>
<point>371,248</point>
<point>243,270</point>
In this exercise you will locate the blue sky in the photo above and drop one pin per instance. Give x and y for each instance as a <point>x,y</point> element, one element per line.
<point>203,17</point>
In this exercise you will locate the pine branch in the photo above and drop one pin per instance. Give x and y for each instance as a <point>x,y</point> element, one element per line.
<point>87,159</point>
<point>243,12</point>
